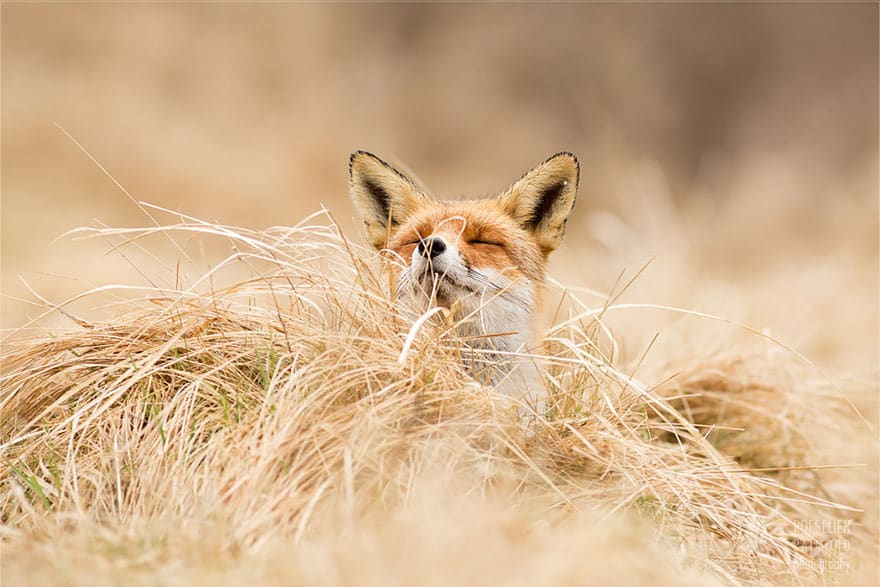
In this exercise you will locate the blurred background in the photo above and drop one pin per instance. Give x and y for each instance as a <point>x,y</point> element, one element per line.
<point>735,145</point>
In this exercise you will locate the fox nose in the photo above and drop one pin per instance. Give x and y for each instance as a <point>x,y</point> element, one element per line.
<point>431,246</point>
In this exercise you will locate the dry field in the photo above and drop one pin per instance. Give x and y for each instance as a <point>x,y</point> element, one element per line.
<point>209,384</point>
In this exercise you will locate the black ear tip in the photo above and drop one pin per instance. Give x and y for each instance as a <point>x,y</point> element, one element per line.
<point>566,154</point>
<point>573,158</point>
<point>358,155</point>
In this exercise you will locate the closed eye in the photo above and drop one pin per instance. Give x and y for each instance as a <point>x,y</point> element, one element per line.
<point>485,242</point>
<point>411,241</point>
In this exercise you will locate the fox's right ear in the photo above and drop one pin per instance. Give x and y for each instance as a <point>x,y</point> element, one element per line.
<point>541,200</point>
<point>384,196</point>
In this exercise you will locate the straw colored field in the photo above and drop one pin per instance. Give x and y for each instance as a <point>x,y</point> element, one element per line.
<point>240,409</point>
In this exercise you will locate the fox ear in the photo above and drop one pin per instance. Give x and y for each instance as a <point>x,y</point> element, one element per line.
<point>541,200</point>
<point>384,196</point>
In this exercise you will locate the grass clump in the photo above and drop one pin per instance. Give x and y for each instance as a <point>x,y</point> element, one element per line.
<point>293,427</point>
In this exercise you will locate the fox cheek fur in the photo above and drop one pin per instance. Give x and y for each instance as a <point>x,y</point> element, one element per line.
<point>484,259</point>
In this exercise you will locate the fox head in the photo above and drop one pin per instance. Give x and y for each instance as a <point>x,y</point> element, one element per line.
<point>482,259</point>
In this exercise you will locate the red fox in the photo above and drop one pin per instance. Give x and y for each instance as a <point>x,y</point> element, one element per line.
<point>482,260</point>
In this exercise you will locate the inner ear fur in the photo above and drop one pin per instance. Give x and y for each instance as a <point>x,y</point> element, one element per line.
<point>542,199</point>
<point>383,196</point>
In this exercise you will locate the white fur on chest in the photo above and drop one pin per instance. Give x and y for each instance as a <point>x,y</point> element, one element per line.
<point>492,313</point>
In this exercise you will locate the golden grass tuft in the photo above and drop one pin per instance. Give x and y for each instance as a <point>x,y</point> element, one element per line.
<point>290,427</point>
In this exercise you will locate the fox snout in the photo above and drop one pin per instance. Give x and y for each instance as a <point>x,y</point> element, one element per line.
<point>433,259</point>
<point>431,246</point>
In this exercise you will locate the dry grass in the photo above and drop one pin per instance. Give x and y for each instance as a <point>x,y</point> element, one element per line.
<point>274,420</point>
<point>250,421</point>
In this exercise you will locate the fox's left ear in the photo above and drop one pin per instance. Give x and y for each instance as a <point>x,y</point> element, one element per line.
<point>384,196</point>
<point>541,200</point>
